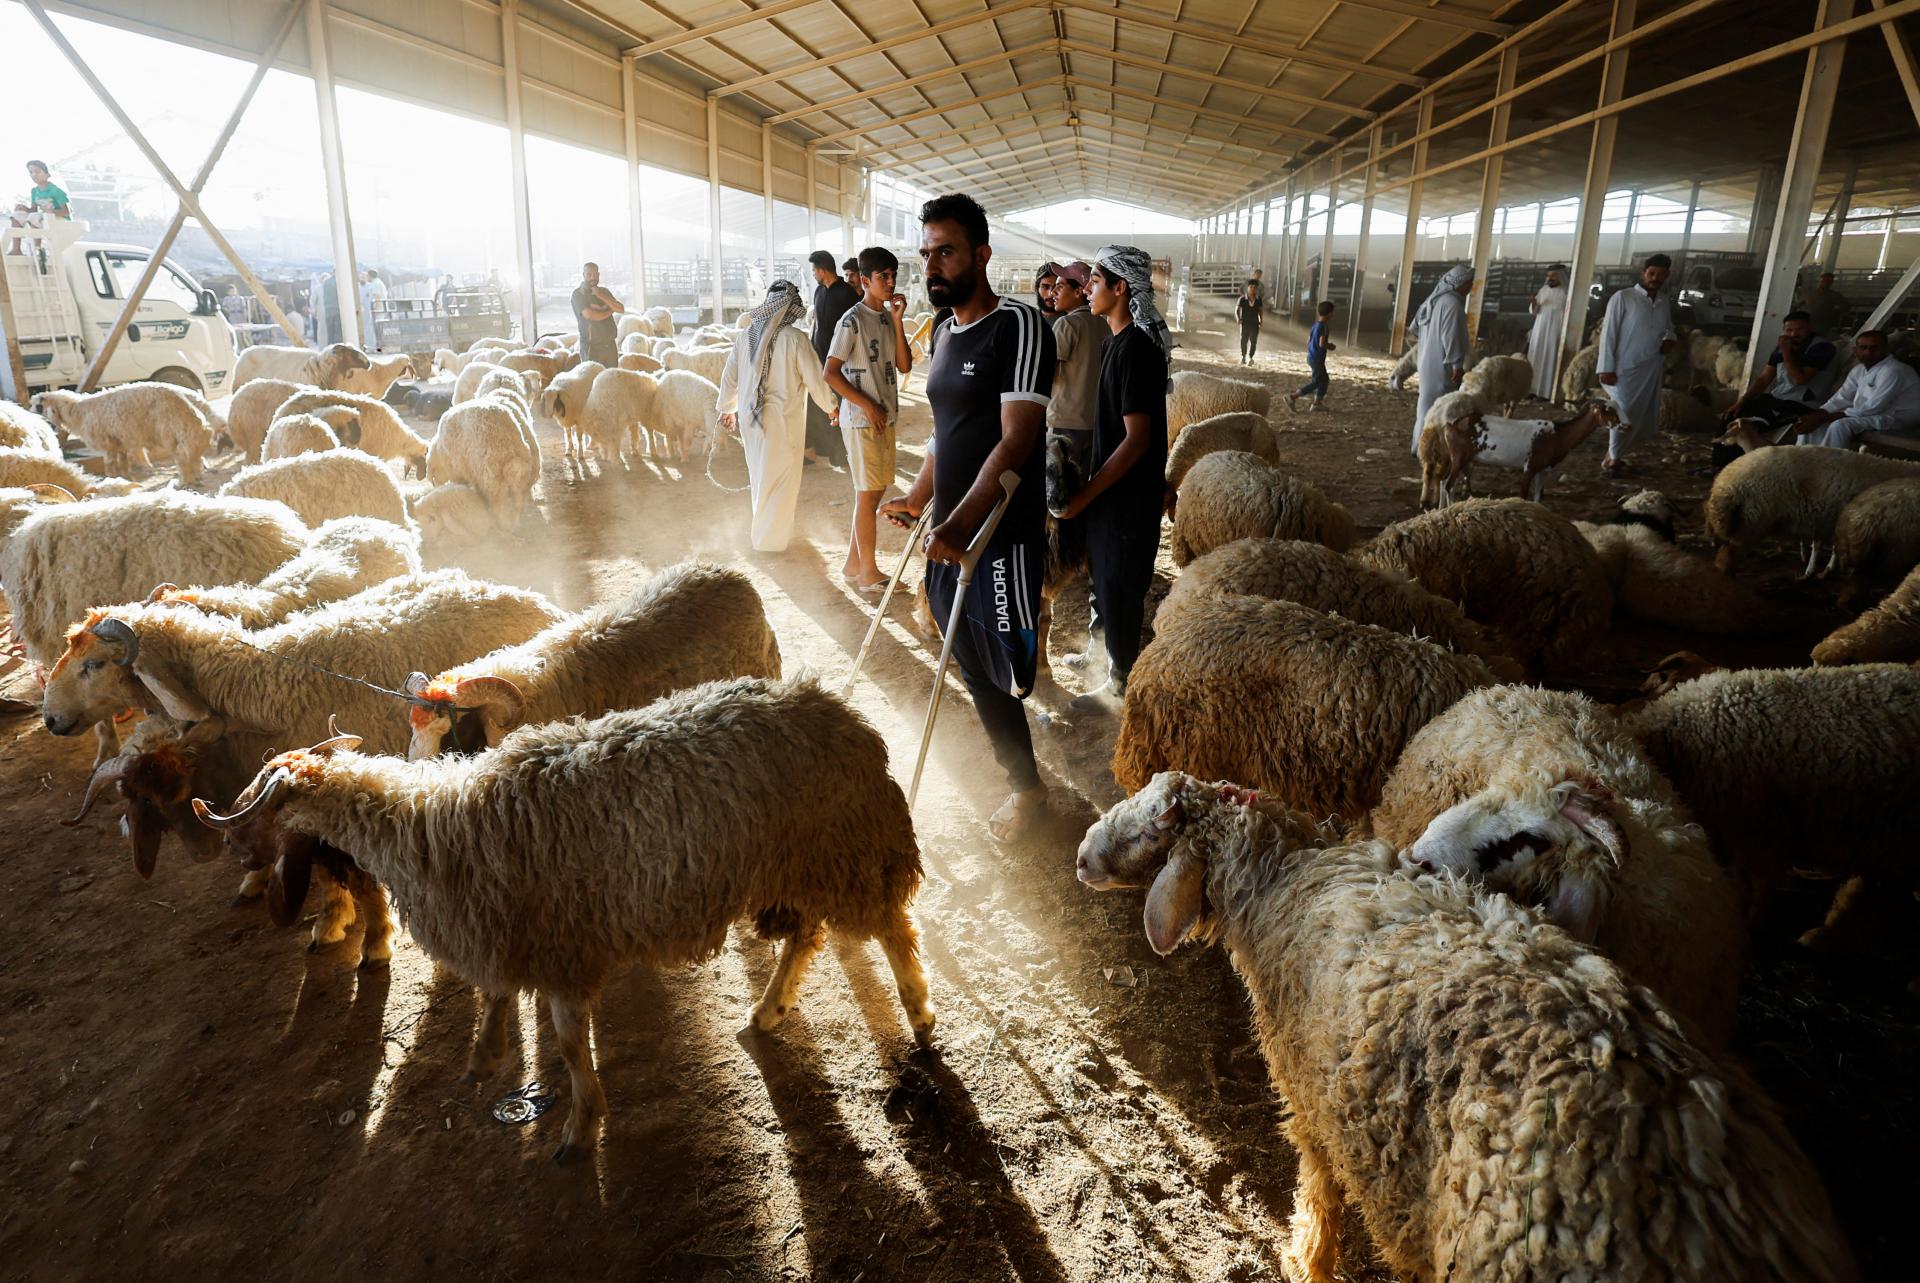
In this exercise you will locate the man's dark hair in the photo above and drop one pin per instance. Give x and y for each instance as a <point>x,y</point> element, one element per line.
<point>373,274</point>
<point>850,267</point>
<point>40,165</point>
<point>821,259</point>
<point>1657,260</point>
<point>1111,278</point>
<point>958,207</point>
<point>875,258</point>
<point>1251,281</point>
<point>1797,315</point>
<point>1326,308</point>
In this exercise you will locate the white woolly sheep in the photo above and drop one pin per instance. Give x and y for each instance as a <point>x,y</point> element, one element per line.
<point>629,325</point>
<point>1239,430</point>
<point>370,425</point>
<point>483,351</point>
<point>542,366</point>
<point>707,362</point>
<point>467,386</point>
<point>252,409</point>
<point>1308,706</point>
<point>1193,396</point>
<point>20,468</point>
<point>1513,565</point>
<point>640,341</point>
<point>1658,582</point>
<point>565,402</point>
<point>1544,796</point>
<point>639,362</point>
<point>1878,532</point>
<point>689,624</point>
<point>488,443</point>
<point>1582,374</point>
<point>1888,633</point>
<point>1458,433</point>
<point>1319,578</point>
<point>22,429</point>
<point>1407,367</point>
<point>382,372</point>
<point>1231,495</point>
<point>320,487</point>
<point>557,915</point>
<point>326,368</point>
<point>1497,1100</point>
<point>1797,492</point>
<point>1499,381</point>
<point>1730,365</point>
<point>684,418</point>
<point>143,420</point>
<point>451,516</point>
<point>17,503</point>
<point>66,558</point>
<point>296,434</point>
<point>659,347</point>
<point>445,362</point>
<point>662,321</point>
<point>345,556</point>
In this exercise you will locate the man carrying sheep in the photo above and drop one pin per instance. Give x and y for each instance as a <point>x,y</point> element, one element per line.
<point>989,382</point>
<point>1635,337</point>
<point>594,309</point>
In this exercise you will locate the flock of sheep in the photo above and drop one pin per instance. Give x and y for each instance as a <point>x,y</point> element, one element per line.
<point>1493,933</point>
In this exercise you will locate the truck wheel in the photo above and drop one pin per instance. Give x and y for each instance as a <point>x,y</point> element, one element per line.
<point>180,378</point>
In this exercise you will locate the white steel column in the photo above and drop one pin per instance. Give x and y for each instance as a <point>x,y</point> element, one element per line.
<point>636,205</point>
<point>713,208</point>
<point>1626,228</point>
<point>346,277</point>
<point>1801,173</point>
<point>766,187</point>
<point>1886,243</point>
<point>1593,196</point>
<point>1423,122</point>
<point>1358,297</point>
<point>1490,192</point>
<point>1325,285</point>
<point>813,200</point>
<point>1766,199</point>
<point>1831,258</point>
<point>517,148</point>
<point>1686,230</point>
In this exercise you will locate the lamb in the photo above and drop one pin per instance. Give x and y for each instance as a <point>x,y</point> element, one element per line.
<point>251,411</point>
<point>707,362</point>
<point>320,487</point>
<point>1796,491</point>
<point>1194,396</point>
<point>1235,495</point>
<point>689,624</point>
<point>1498,1100</point>
<point>1308,706</point>
<point>1458,432</point>
<point>1513,565</point>
<point>1878,532</point>
<point>1890,632</point>
<point>467,386</point>
<point>1540,794</point>
<point>483,854</point>
<point>1407,367</point>
<point>381,373</point>
<point>370,425</point>
<point>684,416</point>
<point>488,444</point>
<point>65,558</point>
<point>1656,581</point>
<point>543,366</point>
<point>137,419</point>
<point>1499,382</point>
<point>327,368</point>
<point>1239,430</point>
<point>345,556</point>
<point>297,434</point>
<point>22,429</point>
<point>1796,767</point>
<point>20,468</point>
<point>1319,578</point>
<point>1582,373</point>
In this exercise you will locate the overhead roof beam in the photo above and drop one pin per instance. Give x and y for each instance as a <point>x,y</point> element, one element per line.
<point>1191,168</point>
<point>1240,40</point>
<point>1206,161</point>
<point>720,26</point>
<point>862,130</point>
<point>1435,13</point>
<point>1261,124</point>
<point>878,46</point>
<point>1193,73</point>
<point>1143,172</point>
<point>957,69</point>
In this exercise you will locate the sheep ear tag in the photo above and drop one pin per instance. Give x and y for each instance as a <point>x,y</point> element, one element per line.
<point>1174,902</point>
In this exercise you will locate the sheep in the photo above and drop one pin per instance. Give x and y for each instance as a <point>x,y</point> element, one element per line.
<point>1656,581</point>
<point>632,342</point>
<point>1582,373</point>
<point>23,467</point>
<point>1513,565</point>
<point>1499,381</point>
<point>640,362</point>
<point>251,411</point>
<point>370,425</point>
<point>485,858</point>
<point>1309,706</point>
<point>345,556</point>
<point>1233,495</point>
<point>707,362</point>
<point>1238,430</point>
<point>1499,1101</point>
<point>684,416</point>
<point>542,366</point>
<point>22,429</point>
<point>1193,396</point>
<point>714,335</point>
<point>689,624</point>
<point>659,347</point>
<point>488,444</point>
<point>1542,795</point>
<point>484,351</point>
<point>381,373</point>
<point>565,401</point>
<point>137,419</point>
<point>320,487</point>
<point>63,559</point>
<point>1458,432</point>
<point>467,386</point>
<point>630,325</point>
<point>1684,410</point>
<point>297,434</point>
<point>1878,532</point>
<point>1890,632</point>
<point>445,361</point>
<point>1407,367</point>
<point>1319,578</point>
<point>1730,365</point>
<point>327,368</point>
<point>662,321</point>
<point>451,515</point>
<point>1797,491</point>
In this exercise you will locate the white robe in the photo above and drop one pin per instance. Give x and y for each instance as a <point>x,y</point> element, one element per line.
<point>1543,344</point>
<point>1443,346</point>
<point>1878,398</point>
<point>776,452</point>
<point>1630,337</point>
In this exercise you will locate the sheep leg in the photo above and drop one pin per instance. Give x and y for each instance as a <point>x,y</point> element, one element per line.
<point>252,886</point>
<point>1863,916</point>
<point>798,951</point>
<point>571,1020</point>
<point>1312,1252</point>
<point>902,945</point>
<point>336,913</point>
<point>490,1043</point>
<point>376,946</point>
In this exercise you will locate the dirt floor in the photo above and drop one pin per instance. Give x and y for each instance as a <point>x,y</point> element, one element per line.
<point>187,1091</point>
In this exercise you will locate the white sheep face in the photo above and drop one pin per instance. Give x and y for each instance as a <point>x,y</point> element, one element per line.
<point>1128,845</point>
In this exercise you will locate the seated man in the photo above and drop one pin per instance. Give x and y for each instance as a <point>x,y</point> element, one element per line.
<point>1881,394</point>
<point>1798,376</point>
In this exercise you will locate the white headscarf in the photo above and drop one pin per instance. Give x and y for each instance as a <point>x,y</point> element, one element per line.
<point>1456,276</point>
<point>1134,267</point>
<point>781,309</point>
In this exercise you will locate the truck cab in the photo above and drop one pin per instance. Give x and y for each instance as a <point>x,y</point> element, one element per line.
<point>1718,293</point>
<point>68,291</point>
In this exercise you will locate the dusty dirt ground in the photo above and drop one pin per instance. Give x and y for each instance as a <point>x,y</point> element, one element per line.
<point>185,1090</point>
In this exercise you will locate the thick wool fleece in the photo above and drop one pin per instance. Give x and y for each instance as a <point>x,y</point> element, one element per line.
<point>1795,493</point>
<point>1889,633</point>
<point>320,487</point>
<point>1655,581</point>
<point>1193,396</point>
<point>1242,430</point>
<point>1232,494</point>
<point>345,556</point>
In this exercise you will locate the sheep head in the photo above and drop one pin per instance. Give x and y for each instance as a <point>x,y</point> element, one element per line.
<point>476,711</point>
<point>157,772</point>
<point>103,673</point>
<point>1557,846</point>
<point>1066,472</point>
<point>1140,843</point>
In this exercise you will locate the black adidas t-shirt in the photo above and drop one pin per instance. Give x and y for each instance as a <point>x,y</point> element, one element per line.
<point>1006,355</point>
<point>1133,380</point>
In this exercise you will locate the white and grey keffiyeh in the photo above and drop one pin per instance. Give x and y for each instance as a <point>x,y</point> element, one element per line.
<point>1456,276</point>
<point>1133,266</point>
<point>781,309</point>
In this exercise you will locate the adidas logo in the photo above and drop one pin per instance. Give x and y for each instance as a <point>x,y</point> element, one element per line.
<point>966,368</point>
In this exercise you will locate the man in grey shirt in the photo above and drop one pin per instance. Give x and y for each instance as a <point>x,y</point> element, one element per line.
<point>1078,336</point>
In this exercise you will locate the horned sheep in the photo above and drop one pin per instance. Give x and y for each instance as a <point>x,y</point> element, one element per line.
<point>1238,430</point>
<point>1193,396</point>
<point>1889,633</point>
<point>1510,1130</point>
<point>483,854</point>
<point>1798,492</point>
<point>320,487</point>
<point>20,468</point>
<point>345,556</point>
<point>488,443</point>
<point>137,420</point>
<point>1233,495</point>
<point>327,368</point>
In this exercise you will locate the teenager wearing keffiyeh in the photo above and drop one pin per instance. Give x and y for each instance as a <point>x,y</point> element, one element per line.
<point>764,389</point>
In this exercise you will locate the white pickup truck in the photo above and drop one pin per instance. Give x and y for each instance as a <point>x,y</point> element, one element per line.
<point>67,291</point>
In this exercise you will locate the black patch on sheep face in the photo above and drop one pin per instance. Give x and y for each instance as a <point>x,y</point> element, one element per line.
<point>1491,855</point>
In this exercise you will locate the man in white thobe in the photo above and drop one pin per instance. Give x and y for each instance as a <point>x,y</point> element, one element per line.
<point>1880,395</point>
<point>1440,328</point>
<point>1549,309</point>
<point>771,372</point>
<point>1635,336</point>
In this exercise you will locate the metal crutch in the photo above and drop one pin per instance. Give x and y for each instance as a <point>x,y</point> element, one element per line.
<point>873,629</point>
<point>968,560</point>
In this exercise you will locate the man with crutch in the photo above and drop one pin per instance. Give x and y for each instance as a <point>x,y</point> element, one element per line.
<point>988,383</point>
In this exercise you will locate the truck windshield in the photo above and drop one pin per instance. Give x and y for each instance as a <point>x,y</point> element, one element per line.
<point>169,286</point>
<point>1740,278</point>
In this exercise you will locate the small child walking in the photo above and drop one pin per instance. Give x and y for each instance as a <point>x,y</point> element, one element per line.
<point>867,360</point>
<point>1318,345</point>
<point>1246,310</point>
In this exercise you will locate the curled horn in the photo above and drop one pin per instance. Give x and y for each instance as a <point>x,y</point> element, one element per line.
<point>336,738</point>
<point>417,684</point>
<point>497,697</point>
<point>160,591</point>
<point>269,794</point>
<point>116,630</point>
<point>108,772</point>
<point>52,493</point>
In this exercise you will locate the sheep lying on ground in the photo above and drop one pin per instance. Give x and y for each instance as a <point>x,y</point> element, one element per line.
<point>1878,532</point>
<point>1582,374</point>
<point>450,516</point>
<point>1458,432</point>
<point>22,429</point>
<point>1308,706</point>
<point>1797,492</point>
<point>1542,795</point>
<point>484,857</point>
<point>1499,1101</point>
<point>707,362</point>
<point>1240,430</point>
<point>684,418</point>
<point>1194,396</point>
<point>488,443</point>
<point>1231,495</point>
<point>689,624</point>
<point>137,421</point>
<point>1513,565</point>
<point>1407,367</point>
<point>251,411</point>
<point>21,468</point>
<point>320,487</point>
<point>327,368</point>
<point>1889,633</point>
<point>1499,382</point>
<point>297,434</point>
<point>369,425</point>
<point>1319,578</point>
<point>66,558</point>
<point>345,556</point>
<point>1656,581</point>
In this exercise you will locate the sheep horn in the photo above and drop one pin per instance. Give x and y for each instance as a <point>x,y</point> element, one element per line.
<point>269,794</point>
<point>336,738</point>
<point>116,630</point>
<point>108,772</point>
<point>160,590</point>
<point>499,698</point>
<point>416,684</point>
<point>52,493</point>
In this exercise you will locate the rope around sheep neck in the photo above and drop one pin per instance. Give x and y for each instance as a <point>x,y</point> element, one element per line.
<point>415,700</point>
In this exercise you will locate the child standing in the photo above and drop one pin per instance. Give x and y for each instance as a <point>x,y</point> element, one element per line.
<point>1318,345</point>
<point>1247,311</point>
<point>866,361</point>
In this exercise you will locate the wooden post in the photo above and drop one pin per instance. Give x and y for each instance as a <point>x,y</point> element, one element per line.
<point>636,204</point>
<point>1593,195</point>
<point>1403,291</point>
<point>1324,287</point>
<point>1490,192</point>
<point>766,188</point>
<point>813,199</point>
<point>1686,230</point>
<point>1626,228</point>
<point>1357,298</point>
